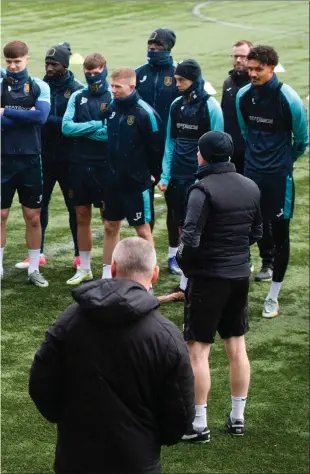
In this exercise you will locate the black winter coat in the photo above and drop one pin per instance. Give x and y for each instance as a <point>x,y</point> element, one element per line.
<point>115,376</point>
<point>231,87</point>
<point>223,218</point>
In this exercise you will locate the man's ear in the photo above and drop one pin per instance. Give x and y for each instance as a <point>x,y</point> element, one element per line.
<point>113,269</point>
<point>155,275</point>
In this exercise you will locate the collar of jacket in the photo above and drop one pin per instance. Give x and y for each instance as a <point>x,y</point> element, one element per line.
<point>215,168</point>
<point>64,82</point>
<point>127,102</point>
<point>240,78</point>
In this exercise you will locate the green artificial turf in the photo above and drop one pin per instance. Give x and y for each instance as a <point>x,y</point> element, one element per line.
<point>277,413</point>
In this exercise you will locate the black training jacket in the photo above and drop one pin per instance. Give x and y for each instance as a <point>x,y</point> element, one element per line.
<point>222,219</point>
<point>115,376</point>
<point>231,86</point>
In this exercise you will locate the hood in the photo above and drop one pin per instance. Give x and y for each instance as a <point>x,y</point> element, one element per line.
<point>115,301</point>
<point>196,91</point>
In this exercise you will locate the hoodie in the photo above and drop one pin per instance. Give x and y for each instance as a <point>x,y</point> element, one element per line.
<point>116,378</point>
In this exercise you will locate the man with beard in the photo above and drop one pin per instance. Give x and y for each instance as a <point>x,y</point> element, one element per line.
<point>191,115</point>
<point>55,146</point>
<point>238,77</point>
<point>157,86</point>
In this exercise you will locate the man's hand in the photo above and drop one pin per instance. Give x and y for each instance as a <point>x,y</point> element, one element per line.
<point>162,187</point>
<point>1,111</point>
<point>33,108</point>
<point>152,179</point>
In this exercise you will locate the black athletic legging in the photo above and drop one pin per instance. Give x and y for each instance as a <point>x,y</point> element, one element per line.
<point>281,238</point>
<point>172,226</point>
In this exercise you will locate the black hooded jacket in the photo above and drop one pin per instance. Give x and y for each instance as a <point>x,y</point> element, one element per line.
<point>115,376</point>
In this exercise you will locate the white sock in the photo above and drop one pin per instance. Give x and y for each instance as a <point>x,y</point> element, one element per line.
<point>172,251</point>
<point>34,259</point>
<point>200,421</point>
<point>1,256</point>
<point>183,282</point>
<point>238,406</point>
<point>85,260</point>
<point>106,271</point>
<point>274,290</point>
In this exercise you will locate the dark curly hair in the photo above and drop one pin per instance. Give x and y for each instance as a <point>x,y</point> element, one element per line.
<point>264,54</point>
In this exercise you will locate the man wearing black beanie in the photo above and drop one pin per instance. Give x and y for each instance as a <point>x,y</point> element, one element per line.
<point>157,86</point>
<point>55,147</point>
<point>191,115</point>
<point>222,220</point>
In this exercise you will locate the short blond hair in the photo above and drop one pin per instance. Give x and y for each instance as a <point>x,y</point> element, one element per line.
<point>126,73</point>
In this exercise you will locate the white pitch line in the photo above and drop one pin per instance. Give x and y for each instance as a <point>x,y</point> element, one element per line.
<point>197,13</point>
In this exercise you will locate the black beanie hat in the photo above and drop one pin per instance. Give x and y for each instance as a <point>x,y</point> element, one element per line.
<point>66,45</point>
<point>61,54</point>
<point>216,146</point>
<point>189,69</point>
<point>164,37</point>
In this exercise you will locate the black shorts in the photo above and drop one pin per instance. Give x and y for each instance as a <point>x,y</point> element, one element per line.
<point>277,195</point>
<point>21,173</point>
<point>215,304</point>
<point>137,207</point>
<point>176,199</point>
<point>87,185</point>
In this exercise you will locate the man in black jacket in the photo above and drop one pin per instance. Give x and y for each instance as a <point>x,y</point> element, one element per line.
<point>114,374</point>
<point>156,85</point>
<point>223,218</point>
<point>238,77</point>
<point>135,151</point>
<point>55,146</point>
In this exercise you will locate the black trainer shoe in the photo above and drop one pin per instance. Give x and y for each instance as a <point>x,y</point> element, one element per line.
<point>235,428</point>
<point>174,295</point>
<point>264,275</point>
<point>194,436</point>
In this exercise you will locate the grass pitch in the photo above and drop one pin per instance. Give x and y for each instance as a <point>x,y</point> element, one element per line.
<point>277,413</point>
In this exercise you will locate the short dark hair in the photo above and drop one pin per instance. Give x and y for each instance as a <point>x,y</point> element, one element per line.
<point>264,54</point>
<point>242,42</point>
<point>15,49</point>
<point>92,61</point>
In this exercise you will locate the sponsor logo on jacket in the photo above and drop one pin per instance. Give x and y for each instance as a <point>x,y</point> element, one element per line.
<point>253,118</point>
<point>187,126</point>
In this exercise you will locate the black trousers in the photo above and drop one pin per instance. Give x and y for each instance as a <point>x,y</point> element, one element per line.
<point>266,245</point>
<point>54,171</point>
<point>172,226</point>
<point>281,238</point>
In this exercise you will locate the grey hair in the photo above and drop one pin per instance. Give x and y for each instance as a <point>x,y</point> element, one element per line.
<point>134,256</point>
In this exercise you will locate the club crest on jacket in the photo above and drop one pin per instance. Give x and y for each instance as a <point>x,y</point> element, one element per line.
<point>130,119</point>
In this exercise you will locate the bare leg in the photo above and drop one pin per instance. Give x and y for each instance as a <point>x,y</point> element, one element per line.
<point>110,239</point>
